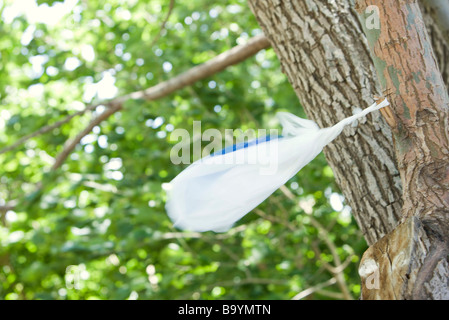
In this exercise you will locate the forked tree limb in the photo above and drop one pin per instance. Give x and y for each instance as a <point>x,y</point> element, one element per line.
<point>213,66</point>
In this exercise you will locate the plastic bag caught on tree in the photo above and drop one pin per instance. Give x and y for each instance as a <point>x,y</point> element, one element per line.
<point>216,191</point>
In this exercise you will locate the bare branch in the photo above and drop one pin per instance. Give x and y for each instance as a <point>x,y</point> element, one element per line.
<point>217,64</point>
<point>313,289</point>
<point>222,61</point>
<point>70,145</point>
<point>331,294</point>
<point>286,191</point>
<point>48,128</point>
<point>214,65</point>
<point>273,219</point>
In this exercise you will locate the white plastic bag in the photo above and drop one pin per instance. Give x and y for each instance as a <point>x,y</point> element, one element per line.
<point>216,191</point>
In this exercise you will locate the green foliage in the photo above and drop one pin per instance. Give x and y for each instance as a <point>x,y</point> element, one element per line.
<point>98,228</point>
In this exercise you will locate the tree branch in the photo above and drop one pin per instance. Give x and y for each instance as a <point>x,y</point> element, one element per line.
<point>70,145</point>
<point>48,128</point>
<point>215,65</point>
<point>313,289</point>
<point>222,61</point>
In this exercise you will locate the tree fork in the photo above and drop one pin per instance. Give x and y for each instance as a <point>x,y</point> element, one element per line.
<point>411,262</point>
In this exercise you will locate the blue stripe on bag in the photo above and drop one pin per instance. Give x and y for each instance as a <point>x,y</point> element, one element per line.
<point>246,144</point>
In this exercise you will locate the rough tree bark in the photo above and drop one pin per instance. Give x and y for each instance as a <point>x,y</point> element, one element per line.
<point>327,61</point>
<point>412,261</point>
<point>326,57</point>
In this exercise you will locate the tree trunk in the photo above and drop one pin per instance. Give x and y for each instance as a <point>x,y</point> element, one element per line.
<point>327,61</point>
<point>413,259</point>
<point>326,57</point>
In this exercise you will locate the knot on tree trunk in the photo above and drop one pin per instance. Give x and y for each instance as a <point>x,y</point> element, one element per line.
<point>411,262</point>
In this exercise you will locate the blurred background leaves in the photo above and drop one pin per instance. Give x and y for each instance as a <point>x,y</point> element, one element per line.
<point>98,228</point>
